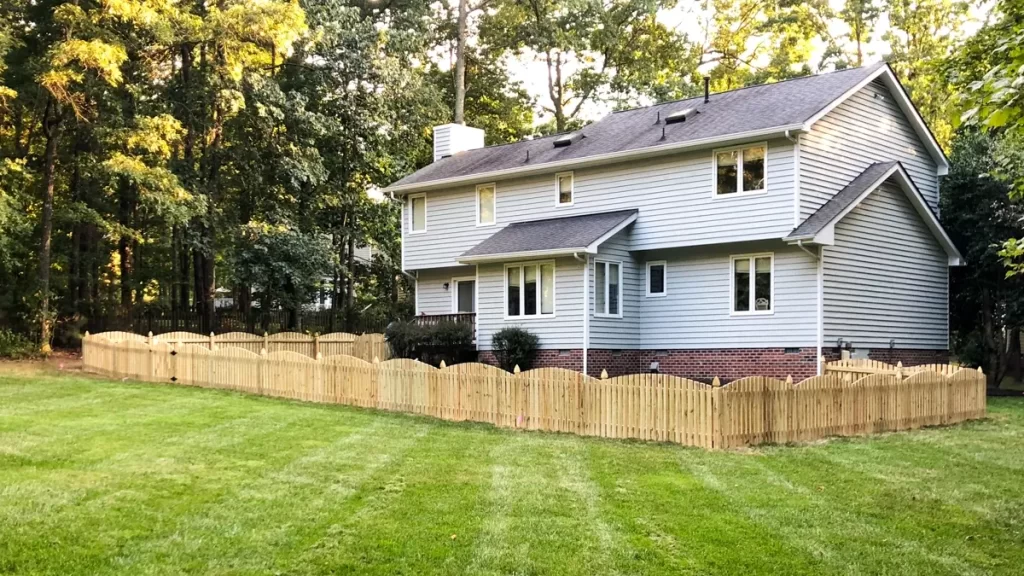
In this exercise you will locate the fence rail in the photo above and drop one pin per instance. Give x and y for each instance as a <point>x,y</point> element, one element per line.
<point>656,407</point>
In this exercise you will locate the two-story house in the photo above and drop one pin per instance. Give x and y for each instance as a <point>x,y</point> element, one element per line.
<point>743,232</point>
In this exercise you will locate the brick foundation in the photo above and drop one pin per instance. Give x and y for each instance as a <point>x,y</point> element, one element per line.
<point>726,364</point>
<point>909,357</point>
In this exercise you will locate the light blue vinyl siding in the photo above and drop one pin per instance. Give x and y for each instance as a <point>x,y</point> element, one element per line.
<point>696,312</point>
<point>618,333</point>
<point>431,297</point>
<point>869,127</point>
<point>673,194</point>
<point>886,277</point>
<point>563,331</point>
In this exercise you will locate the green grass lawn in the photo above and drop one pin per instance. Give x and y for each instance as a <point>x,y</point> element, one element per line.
<point>98,477</point>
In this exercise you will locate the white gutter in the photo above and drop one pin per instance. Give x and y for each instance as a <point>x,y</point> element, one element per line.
<point>574,163</point>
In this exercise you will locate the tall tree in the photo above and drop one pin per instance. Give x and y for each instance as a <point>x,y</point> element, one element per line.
<point>860,16</point>
<point>582,45</point>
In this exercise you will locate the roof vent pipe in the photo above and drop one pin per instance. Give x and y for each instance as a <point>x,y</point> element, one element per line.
<point>707,89</point>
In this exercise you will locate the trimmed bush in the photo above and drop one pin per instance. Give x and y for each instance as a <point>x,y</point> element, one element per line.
<point>514,347</point>
<point>448,341</point>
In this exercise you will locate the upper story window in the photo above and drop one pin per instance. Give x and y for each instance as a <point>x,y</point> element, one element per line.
<point>740,170</point>
<point>753,285</point>
<point>563,189</point>
<point>485,203</point>
<point>656,279</point>
<point>608,289</point>
<point>418,210</point>
<point>530,290</point>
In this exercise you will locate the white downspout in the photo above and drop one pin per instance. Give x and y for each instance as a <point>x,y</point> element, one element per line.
<point>586,307</point>
<point>821,295</point>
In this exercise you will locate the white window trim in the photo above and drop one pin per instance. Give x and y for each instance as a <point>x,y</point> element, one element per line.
<point>572,189</point>
<point>522,293</point>
<point>598,262</point>
<point>494,210</point>
<point>412,213</point>
<point>454,285</point>
<point>732,284</point>
<point>664,283</point>
<point>739,172</point>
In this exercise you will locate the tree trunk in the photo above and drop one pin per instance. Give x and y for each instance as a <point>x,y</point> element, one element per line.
<point>52,124</point>
<point>993,351</point>
<point>460,63</point>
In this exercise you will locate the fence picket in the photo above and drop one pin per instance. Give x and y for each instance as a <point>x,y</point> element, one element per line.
<point>851,398</point>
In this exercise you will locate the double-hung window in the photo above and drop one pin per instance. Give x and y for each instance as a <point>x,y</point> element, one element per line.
<point>418,213</point>
<point>608,289</point>
<point>740,170</point>
<point>563,189</point>
<point>753,286</point>
<point>530,290</point>
<point>485,204</point>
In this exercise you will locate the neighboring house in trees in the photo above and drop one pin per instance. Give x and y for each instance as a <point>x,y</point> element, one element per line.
<point>745,232</point>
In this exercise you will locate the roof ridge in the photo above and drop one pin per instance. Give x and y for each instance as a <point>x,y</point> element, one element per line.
<point>762,85</point>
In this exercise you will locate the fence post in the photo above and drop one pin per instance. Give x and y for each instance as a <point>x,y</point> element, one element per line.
<point>213,344</point>
<point>266,341</point>
<point>316,345</point>
<point>822,365</point>
<point>717,440</point>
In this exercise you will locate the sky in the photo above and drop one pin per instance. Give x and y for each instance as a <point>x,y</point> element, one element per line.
<point>687,18</point>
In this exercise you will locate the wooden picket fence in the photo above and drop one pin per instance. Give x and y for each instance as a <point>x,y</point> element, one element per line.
<point>657,407</point>
<point>365,346</point>
<point>853,369</point>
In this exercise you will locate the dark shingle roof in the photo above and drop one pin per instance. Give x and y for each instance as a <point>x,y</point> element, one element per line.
<point>842,200</point>
<point>569,233</point>
<point>751,109</point>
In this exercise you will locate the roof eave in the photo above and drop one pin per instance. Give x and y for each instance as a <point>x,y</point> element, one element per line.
<point>527,255</point>
<point>826,236</point>
<point>575,163</point>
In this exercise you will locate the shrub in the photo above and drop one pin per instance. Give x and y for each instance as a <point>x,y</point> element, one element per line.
<point>448,341</point>
<point>514,346</point>
<point>405,339</point>
<point>16,346</point>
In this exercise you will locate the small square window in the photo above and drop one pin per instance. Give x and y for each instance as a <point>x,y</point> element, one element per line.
<point>564,189</point>
<point>656,278</point>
